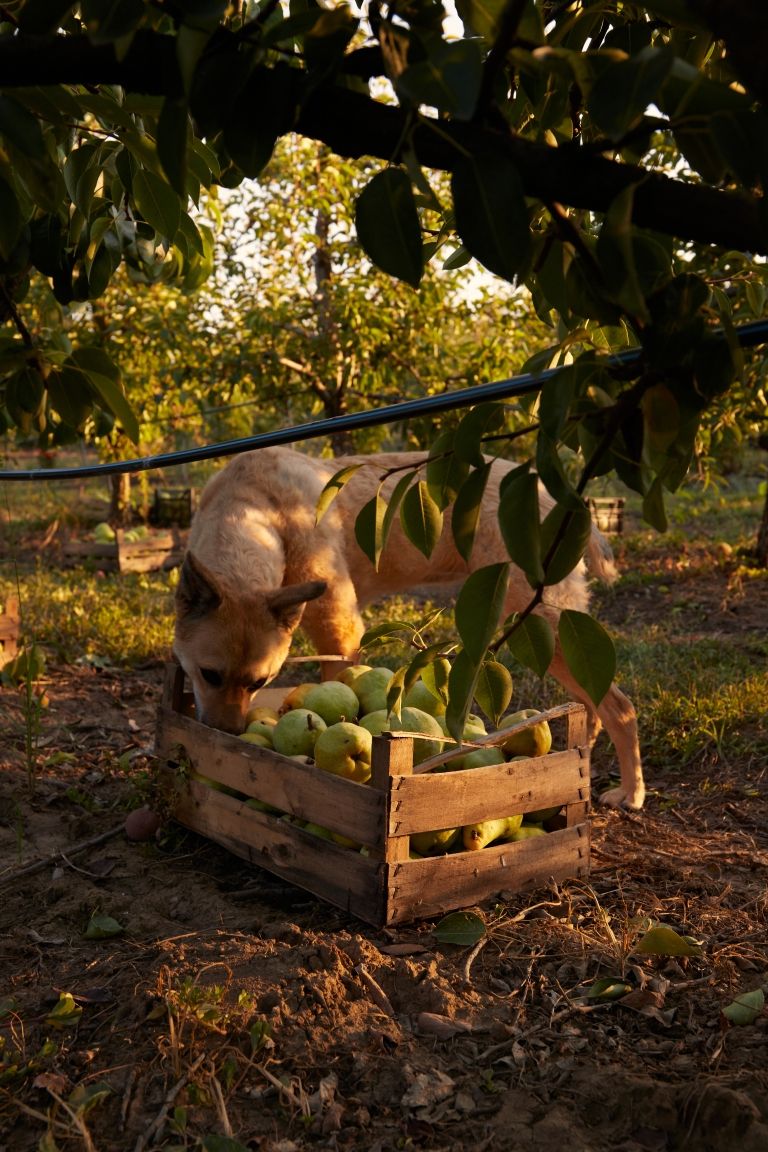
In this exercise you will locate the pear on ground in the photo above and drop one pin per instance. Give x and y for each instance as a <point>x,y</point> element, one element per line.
<point>371,689</point>
<point>296,732</point>
<point>345,750</point>
<point>333,701</point>
<point>534,741</point>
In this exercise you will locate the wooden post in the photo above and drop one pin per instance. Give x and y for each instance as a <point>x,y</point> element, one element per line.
<point>576,737</point>
<point>392,757</point>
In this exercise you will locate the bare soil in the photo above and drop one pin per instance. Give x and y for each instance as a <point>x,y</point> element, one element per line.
<point>234,1011</point>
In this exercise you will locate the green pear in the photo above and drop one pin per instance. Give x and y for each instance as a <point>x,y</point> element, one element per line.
<point>371,689</point>
<point>419,696</point>
<point>333,701</point>
<point>345,750</point>
<point>434,843</point>
<point>296,731</point>
<point>476,836</point>
<point>535,741</point>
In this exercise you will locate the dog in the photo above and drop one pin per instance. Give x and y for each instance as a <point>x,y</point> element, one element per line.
<point>258,565</point>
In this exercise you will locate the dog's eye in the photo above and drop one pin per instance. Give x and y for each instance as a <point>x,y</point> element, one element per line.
<point>212,677</point>
<point>254,687</point>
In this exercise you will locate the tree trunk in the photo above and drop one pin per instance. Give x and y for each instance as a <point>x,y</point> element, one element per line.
<point>120,500</point>
<point>762,536</point>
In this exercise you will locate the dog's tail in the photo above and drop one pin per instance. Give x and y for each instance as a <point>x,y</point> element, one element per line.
<point>599,557</point>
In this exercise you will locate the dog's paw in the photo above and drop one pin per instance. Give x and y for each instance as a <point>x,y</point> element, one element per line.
<point>622,798</point>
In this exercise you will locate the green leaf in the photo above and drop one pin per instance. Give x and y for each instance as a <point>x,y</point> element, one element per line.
<point>81,172</point>
<point>465,515</point>
<point>157,202</point>
<point>746,1008</point>
<point>102,927</point>
<point>382,631</point>
<point>608,988</point>
<point>493,690</point>
<point>479,605</point>
<point>107,22</point>
<point>172,126</point>
<point>421,518</point>
<point>616,256</point>
<point>461,692</point>
<point>661,424</point>
<point>11,219</point>
<point>369,525</point>
<point>393,504</point>
<point>215,1143</point>
<point>465,928</point>
<point>571,528</point>
<point>445,471</point>
<point>533,643</point>
<point>435,675</point>
<point>588,651</point>
<point>388,225</point>
<point>332,489</point>
<point>70,396</point>
<point>21,128</point>
<point>66,1013</point>
<point>475,424</point>
<point>519,523</point>
<point>491,213</point>
<point>622,92</point>
<point>104,377</point>
<point>661,940</point>
<point>84,1097</point>
<point>654,512</point>
<point>447,78</point>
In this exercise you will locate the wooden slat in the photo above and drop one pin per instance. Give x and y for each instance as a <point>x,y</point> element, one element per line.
<point>301,790</point>
<point>150,554</point>
<point>450,799</point>
<point>499,736</point>
<point>339,875</point>
<point>419,888</point>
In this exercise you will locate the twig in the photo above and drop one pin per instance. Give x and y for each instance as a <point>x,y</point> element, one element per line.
<point>147,1136</point>
<point>75,850</point>
<point>375,991</point>
<point>472,957</point>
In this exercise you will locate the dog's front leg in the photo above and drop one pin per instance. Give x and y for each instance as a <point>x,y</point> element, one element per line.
<point>334,625</point>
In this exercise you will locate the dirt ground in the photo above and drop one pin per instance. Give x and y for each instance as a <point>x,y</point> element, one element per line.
<point>234,1011</point>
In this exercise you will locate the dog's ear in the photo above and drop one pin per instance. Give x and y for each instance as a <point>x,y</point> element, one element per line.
<point>287,604</point>
<point>198,592</point>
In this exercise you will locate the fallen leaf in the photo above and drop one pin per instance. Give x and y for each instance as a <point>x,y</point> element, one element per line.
<point>428,1089</point>
<point>443,1027</point>
<point>465,928</point>
<point>661,940</point>
<point>746,1008</point>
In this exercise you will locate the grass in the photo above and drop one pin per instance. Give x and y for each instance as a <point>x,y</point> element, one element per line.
<point>700,698</point>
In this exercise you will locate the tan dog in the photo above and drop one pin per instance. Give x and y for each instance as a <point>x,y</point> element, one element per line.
<point>258,565</point>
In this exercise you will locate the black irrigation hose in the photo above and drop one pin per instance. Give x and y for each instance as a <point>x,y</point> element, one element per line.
<point>748,335</point>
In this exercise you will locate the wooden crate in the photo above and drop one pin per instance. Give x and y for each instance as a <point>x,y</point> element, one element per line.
<point>608,514</point>
<point>172,507</point>
<point>154,552</point>
<point>384,886</point>
<point>10,625</point>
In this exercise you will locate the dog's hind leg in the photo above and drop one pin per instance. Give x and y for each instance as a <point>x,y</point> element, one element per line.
<point>617,715</point>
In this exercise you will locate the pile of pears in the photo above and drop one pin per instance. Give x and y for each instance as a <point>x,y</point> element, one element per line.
<point>332,725</point>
